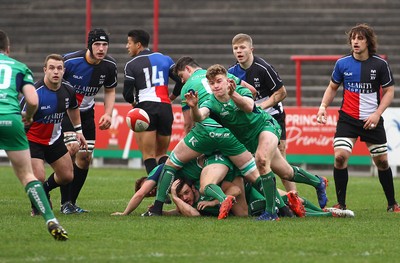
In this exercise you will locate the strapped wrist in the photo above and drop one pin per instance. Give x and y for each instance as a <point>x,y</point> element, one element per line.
<point>78,128</point>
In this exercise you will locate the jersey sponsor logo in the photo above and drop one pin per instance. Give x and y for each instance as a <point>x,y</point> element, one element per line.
<point>373,74</point>
<point>66,103</point>
<point>224,113</point>
<point>219,135</point>
<point>6,123</point>
<point>3,96</point>
<point>53,118</point>
<point>358,87</point>
<point>87,91</point>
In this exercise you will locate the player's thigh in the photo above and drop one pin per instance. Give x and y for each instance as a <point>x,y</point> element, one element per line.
<point>213,174</point>
<point>282,147</point>
<point>162,144</point>
<point>182,153</point>
<point>267,144</point>
<point>146,139</point>
<point>266,149</point>
<point>21,162</point>
<point>280,166</point>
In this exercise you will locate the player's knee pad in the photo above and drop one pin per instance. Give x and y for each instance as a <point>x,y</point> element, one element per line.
<point>378,149</point>
<point>343,143</point>
<point>178,163</point>
<point>248,167</point>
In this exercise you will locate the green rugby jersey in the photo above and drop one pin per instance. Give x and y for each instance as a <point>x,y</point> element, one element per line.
<point>198,82</point>
<point>13,76</point>
<point>245,126</point>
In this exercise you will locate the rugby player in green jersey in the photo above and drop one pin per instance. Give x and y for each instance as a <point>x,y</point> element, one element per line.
<point>234,108</point>
<point>206,137</point>
<point>189,202</point>
<point>196,170</point>
<point>16,78</point>
<point>195,80</point>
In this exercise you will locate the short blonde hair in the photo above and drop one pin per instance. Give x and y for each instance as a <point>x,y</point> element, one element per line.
<point>242,38</point>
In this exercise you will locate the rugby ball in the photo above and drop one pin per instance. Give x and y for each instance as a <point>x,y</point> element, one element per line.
<point>137,120</point>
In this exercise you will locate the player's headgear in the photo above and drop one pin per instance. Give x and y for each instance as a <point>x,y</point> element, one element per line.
<point>94,35</point>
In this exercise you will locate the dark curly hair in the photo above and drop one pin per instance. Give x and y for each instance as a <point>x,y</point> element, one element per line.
<point>367,32</point>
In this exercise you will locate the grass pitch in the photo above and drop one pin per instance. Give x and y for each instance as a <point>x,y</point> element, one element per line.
<point>372,236</point>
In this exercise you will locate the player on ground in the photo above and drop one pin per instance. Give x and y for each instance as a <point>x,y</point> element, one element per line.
<point>197,170</point>
<point>368,89</point>
<point>16,78</point>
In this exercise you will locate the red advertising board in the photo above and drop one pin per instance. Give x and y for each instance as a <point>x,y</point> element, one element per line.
<point>119,141</point>
<point>304,135</point>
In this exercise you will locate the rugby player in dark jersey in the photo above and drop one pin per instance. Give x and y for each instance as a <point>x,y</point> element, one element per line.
<point>88,71</point>
<point>265,79</point>
<point>146,86</point>
<point>368,89</point>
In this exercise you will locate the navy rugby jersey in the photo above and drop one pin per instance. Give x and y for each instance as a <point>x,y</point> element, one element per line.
<point>362,81</point>
<point>87,79</point>
<point>147,76</point>
<point>46,126</point>
<point>264,79</point>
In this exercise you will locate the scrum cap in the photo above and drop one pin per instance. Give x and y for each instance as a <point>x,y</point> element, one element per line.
<point>96,34</point>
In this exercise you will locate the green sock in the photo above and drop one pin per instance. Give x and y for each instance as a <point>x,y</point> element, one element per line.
<point>214,191</point>
<point>164,182</point>
<point>302,176</point>
<point>308,204</point>
<point>266,185</point>
<point>279,200</point>
<point>285,199</point>
<point>311,212</point>
<point>38,197</point>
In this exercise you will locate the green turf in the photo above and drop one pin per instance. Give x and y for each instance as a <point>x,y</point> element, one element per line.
<point>372,236</point>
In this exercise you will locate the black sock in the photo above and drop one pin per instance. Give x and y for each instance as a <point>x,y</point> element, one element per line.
<point>157,207</point>
<point>77,184</point>
<point>341,177</point>
<point>65,191</point>
<point>386,180</point>
<point>162,159</point>
<point>50,184</point>
<point>150,164</point>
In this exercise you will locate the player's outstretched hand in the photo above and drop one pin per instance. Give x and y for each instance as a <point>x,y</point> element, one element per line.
<point>191,98</point>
